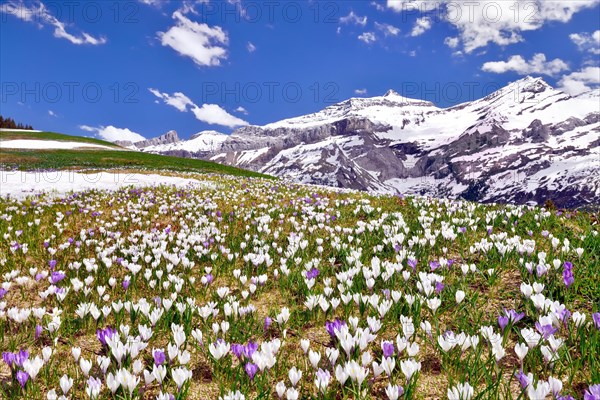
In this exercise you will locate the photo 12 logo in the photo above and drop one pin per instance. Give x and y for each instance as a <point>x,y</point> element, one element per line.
<point>270,92</point>
<point>70,12</point>
<point>269,12</point>
<point>70,92</point>
<point>67,177</point>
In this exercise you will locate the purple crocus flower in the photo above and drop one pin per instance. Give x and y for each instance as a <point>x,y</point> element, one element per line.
<point>568,274</point>
<point>523,379</point>
<point>388,348</point>
<point>2,292</point>
<point>596,319</point>
<point>400,391</point>
<point>104,334</point>
<point>267,323</point>
<point>9,358</point>
<point>439,286</point>
<point>541,270</point>
<point>312,274</point>
<point>94,383</point>
<point>251,369</point>
<point>159,357</point>
<point>503,321</point>
<point>57,276</point>
<point>22,378</point>
<point>412,263</point>
<point>20,357</point>
<point>52,264</point>
<point>514,316</point>
<point>545,330</point>
<point>38,331</point>
<point>323,375</point>
<point>333,326</point>
<point>593,393</point>
<point>126,283</point>
<point>564,315</point>
<point>209,279</point>
<point>250,349</point>
<point>237,350</point>
<point>434,265</point>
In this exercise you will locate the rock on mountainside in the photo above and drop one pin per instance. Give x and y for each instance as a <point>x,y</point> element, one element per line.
<point>527,142</point>
<point>205,142</point>
<point>168,138</point>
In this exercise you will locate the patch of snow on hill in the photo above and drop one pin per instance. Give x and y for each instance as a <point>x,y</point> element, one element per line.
<point>35,144</point>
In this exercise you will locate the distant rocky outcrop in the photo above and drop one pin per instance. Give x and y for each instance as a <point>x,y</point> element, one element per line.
<point>167,138</point>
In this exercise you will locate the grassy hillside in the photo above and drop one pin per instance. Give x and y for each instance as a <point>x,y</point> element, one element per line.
<point>13,135</point>
<point>99,159</point>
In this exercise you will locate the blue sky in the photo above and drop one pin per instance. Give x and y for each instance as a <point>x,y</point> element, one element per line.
<point>123,69</point>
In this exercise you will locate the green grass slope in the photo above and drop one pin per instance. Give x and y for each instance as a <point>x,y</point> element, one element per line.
<point>99,159</point>
<point>14,135</point>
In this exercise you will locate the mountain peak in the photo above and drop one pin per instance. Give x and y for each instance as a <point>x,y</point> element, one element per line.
<point>530,82</point>
<point>206,134</point>
<point>169,137</point>
<point>390,93</point>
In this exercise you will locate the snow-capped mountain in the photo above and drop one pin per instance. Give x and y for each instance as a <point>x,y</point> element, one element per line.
<point>524,143</point>
<point>199,144</point>
<point>205,141</point>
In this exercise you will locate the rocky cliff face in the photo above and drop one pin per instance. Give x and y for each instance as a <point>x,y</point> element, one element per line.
<point>524,143</point>
<point>167,138</point>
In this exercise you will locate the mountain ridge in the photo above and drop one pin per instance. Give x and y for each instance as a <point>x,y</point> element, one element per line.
<point>526,142</point>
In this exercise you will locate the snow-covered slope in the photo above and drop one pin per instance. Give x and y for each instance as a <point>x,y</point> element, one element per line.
<point>205,141</point>
<point>527,142</point>
<point>36,144</point>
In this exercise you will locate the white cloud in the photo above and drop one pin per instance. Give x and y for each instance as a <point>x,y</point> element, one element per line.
<point>360,92</point>
<point>452,42</point>
<point>587,42</point>
<point>580,81</point>
<point>250,47</point>
<point>537,65</point>
<point>154,3</point>
<point>202,43</point>
<point>52,113</point>
<point>215,115</point>
<point>387,29</point>
<point>241,110</point>
<point>354,19</point>
<point>210,113</point>
<point>112,134</point>
<point>503,22</point>
<point>378,6</point>
<point>412,5</point>
<point>367,37</point>
<point>37,12</point>
<point>178,100</point>
<point>480,23</point>
<point>422,25</point>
